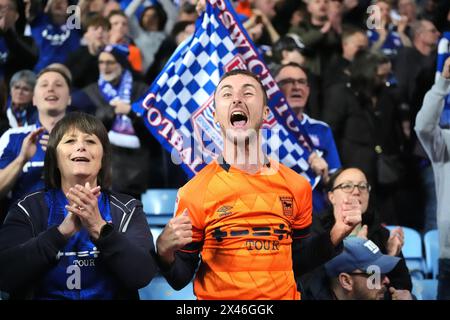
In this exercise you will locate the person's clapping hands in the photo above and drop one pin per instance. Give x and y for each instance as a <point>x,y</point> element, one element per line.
<point>395,242</point>
<point>83,203</point>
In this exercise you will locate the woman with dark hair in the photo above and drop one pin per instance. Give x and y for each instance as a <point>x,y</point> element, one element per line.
<point>365,118</point>
<point>75,239</point>
<point>346,186</point>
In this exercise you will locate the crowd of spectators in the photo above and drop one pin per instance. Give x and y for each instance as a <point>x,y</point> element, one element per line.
<point>352,71</point>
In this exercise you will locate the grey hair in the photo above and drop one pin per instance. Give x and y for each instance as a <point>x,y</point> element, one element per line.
<point>418,27</point>
<point>24,75</point>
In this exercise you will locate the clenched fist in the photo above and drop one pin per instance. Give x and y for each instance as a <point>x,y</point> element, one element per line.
<point>176,234</point>
<point>348,215</point>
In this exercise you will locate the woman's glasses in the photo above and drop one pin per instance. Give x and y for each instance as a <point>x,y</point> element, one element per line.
<point>348,187</point>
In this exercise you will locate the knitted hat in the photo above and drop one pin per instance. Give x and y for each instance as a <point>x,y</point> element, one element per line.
<point>120,53</point>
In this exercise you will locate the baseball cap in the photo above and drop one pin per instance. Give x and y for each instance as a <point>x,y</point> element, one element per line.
<point>290,42</point>
<point>360,254</point>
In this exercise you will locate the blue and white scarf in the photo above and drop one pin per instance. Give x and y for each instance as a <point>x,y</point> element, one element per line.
<point>122,133</point>
<point>19,117</point>
<point>77,275</point>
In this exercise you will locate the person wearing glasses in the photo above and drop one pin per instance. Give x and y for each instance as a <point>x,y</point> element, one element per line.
<point>293,81</point>
<point>348,186</point>
<point>360,272</point>
<point>20,111</point>
<point>109,99</point>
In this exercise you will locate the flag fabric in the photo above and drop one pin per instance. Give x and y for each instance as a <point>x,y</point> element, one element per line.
<point>178,108</point>
<point>442,55</point>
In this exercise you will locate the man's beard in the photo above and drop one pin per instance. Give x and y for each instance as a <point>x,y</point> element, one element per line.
<point>113,78</point>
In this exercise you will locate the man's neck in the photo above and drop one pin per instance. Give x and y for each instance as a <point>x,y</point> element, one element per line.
<point>347,56</point>
<point>49,121</point>
<point>249,157</point>
<point>59,20</point>
<point>338,294</point>
<point>318,21</point>
<point>423,48</point>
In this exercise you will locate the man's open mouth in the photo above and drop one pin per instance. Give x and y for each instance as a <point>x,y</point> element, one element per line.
<point>238,119</point>
<point>52,98</point>
<point>296,95</point>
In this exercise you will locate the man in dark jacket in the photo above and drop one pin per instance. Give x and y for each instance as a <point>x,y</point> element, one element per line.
<point>366,124</point>
<point>83,63</point>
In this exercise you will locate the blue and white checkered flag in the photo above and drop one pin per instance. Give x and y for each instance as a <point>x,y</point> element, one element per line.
<point>179,105</point>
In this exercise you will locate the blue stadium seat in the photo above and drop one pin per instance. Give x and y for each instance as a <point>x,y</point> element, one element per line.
<point>159,289</point>
<point>425,289</point>
<point>159,205</point>
<point>412,251</point>
<point>431,242</point>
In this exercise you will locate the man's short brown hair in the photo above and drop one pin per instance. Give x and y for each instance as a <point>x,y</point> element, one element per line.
<point>246,73</point>
<point>98,21</point>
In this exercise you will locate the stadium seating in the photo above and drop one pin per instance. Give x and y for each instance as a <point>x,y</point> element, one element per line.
<point>159,205</point>
<point>412,251</point>
<point>431,242</point>
<point>159,289</point>
<point>425,289</point>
